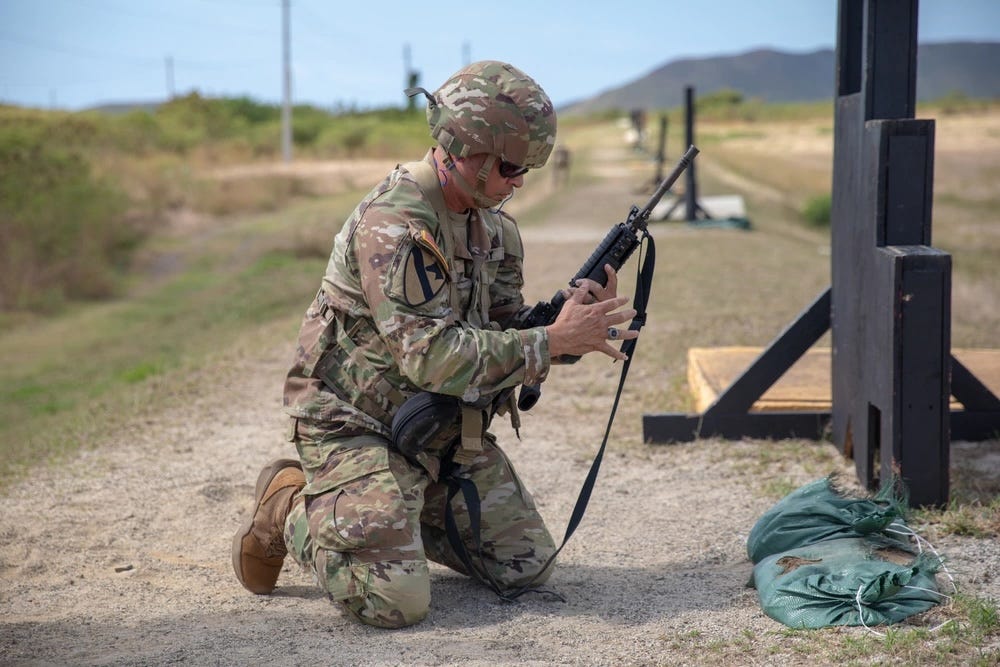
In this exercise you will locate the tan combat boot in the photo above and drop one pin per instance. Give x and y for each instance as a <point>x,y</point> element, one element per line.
<point>259,545</point>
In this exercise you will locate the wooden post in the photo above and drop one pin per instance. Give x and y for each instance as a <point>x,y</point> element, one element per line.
<point>891,290</point>
<point>889,307</point>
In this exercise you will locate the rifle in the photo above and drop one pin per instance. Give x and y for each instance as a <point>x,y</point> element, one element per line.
<point>615,249</point>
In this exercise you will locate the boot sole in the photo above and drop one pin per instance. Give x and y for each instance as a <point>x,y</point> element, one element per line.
<point>263,481</point>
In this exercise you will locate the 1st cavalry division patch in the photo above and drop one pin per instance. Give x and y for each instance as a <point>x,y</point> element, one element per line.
<point>425,270</point>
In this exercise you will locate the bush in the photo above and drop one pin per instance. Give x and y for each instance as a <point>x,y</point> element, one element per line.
<point>308,124</point>
<point>725,97</point>
<point>375,134</point>
<point>252,112</point>
<point>78,189</point>
<point>63,233</point>
<point>816,212</point>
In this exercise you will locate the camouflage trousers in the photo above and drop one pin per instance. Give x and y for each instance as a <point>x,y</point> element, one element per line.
<point>371,520</point>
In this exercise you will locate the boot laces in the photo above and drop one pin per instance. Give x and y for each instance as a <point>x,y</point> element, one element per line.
<point>276,546</point>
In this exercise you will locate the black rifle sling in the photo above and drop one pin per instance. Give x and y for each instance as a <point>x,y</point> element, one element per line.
<point>471,496</point>
<point>644,282</point>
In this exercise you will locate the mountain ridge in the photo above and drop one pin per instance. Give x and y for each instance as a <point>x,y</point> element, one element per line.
<point>943,68</point>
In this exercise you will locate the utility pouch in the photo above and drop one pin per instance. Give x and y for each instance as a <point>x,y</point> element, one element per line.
<point>422,420</point>
<point>316,334</point>
<point>471,444</point>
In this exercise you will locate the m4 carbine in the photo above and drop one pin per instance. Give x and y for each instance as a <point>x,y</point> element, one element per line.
<point>615,249</point>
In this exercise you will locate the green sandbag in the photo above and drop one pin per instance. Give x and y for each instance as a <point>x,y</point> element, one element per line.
<point>850,581</point>
<point>817,512</point>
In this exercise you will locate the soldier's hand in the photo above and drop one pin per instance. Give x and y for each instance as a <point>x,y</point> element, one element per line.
<point>590,327</point>
<point>593,290</point>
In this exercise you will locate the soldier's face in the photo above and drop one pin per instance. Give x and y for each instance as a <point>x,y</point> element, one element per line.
<point>497,186</point>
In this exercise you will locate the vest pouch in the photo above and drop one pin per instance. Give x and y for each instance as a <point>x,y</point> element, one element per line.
<point>353,368</point>
<point>316,335</point>
<point>426,421</point>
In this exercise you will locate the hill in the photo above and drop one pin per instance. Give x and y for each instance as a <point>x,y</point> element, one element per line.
<point>126,107</point>
<point>966,68</point>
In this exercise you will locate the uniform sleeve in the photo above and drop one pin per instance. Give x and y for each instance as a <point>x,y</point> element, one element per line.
<point>405,279</point>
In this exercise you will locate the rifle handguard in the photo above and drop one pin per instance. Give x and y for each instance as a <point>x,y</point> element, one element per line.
<point>615,249</point>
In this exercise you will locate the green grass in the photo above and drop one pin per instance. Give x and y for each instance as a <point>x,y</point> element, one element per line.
<point>79,192</point>
<point>54,372</point>
<point>962,639</point>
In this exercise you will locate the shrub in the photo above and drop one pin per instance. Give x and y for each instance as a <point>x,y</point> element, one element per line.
<point>78,189</point>
<point>63,233</point>
<point>308,123</point>
<point>252,112</point>
<point>816,212</point>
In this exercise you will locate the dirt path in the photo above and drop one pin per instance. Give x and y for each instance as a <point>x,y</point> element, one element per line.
<point>121,555</point>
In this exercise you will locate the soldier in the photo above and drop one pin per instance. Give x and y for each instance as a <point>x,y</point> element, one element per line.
<point>419,321</point>
<point>560,167</point>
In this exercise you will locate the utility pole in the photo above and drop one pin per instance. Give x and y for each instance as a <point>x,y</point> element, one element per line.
<point>408,76</point>
<point>170,77</point>
<point>466,53</point>
<point>412,77</point>
<point>286,108</point>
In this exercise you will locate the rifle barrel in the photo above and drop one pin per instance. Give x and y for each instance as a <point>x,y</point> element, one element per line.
<point>668,182</point>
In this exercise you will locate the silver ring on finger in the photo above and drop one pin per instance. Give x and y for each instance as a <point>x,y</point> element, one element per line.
<point>613,333</point>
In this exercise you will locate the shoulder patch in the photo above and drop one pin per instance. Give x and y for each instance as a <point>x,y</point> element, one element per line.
<point>425,270</point>
<point>424,239</point>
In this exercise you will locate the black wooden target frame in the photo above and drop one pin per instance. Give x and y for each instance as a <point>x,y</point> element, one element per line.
<point>889,306</point>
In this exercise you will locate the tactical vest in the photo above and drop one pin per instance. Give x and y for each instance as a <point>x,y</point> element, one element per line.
<point>473,252</point>
<point>473,261</point>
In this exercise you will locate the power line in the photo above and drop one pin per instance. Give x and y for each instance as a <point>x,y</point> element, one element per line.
<point>316,21</point>
<point>133,60</point>
<point>78,51</point>
<point>316,29</point>
<point>244,3</point>
<point>65,84</point>
<point>173,18</point>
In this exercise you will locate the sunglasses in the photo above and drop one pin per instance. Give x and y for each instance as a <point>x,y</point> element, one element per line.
<point>511,170</point>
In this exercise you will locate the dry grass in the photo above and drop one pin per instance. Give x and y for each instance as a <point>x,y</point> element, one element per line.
<point>223,292</point>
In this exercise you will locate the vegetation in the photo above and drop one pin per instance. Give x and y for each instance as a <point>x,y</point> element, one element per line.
<point>80,191</point>
<point>817,211</point>
<point>84,205</point>
<point>64,232</point>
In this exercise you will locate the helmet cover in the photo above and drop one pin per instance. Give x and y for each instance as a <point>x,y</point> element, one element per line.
<point>492,107</point>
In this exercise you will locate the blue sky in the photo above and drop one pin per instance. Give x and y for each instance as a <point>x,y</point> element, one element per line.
<point>76,53</point>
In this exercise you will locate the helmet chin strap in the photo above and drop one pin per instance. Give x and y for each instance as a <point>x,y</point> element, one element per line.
<point>478,194</point>
<point>502,202</point>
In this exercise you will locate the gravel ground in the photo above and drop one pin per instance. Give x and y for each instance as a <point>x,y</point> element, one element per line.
<point>121,555</point>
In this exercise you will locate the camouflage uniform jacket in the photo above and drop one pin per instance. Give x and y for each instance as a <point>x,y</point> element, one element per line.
<point>414,298</point>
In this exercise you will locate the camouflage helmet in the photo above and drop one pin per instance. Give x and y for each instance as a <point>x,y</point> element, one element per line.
<point>492,107</point>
